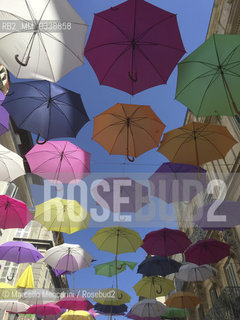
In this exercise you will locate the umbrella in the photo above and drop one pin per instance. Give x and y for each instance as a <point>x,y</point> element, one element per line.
<point>109,269</point>
<point>75,303</point>
<point>13,306</point>
<point>77,315</point>
<point>152,287</point>
<point>46,109</point>
<point>4,122</point>
<point>44,309</point>
<point>26,280</point>
<point>147,308</point>
<point>13,213</point>
<point>208,78</point>
<point>197,143</point>
<point>175,313</point>
<point>226,215</point>
<point>69,257</point>
<point>128,129</point>
<point>11,165</point>
<point>59,161</point>
<point>136,194</point>
<point>207,251</point>
<point>134,46</point>
<point>165,242</point>
<point>174,182</point>
<point>182,300</point>
<point>60,272</point>
<point>157,265</point>
<point>110,296</point>
<point>37,48</point>
<point>193,272</point>
<point>93,313</point>
<point>110,309</point>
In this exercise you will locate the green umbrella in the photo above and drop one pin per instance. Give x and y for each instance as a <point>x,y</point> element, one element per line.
<point>209,78</point>
<point>175,313</point>
<point>109,269</point>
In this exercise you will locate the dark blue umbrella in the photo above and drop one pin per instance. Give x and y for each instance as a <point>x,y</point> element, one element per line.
<point>157,265</point>
<point>110,309</point>
<point>46,109</point>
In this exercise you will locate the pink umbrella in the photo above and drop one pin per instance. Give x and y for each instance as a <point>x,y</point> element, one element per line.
<point>93,313</point>
<point>44,309</point>
<point>13,213</point>
<point>59,161</point>
<point>75,303</point>
<point>207,251</point>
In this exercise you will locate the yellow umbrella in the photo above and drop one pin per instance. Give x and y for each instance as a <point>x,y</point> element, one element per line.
<point>114,297</point>
<point>4,285</point>
<point>183,300</point>
<point>26,280</point>
<point>76,315</point>
<point>154,286</point>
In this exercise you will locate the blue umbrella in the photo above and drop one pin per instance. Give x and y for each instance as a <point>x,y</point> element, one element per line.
<point>157,265</point>
<point>46,109</point>
<point>110,309</point>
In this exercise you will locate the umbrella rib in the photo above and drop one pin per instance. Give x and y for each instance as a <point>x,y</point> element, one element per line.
<point>49,159</point>
<point>208,64</point>
<point>30,84</point>
<point>29,114</point>
<point>107,127</point>
<point>205,138</point>
<point>30,12</point>
<point>109,44</point>
<point>60,110</point>
<point>149,134</point>
<point>229,56</point>
<point>160,44</point>
<point>117,136</point>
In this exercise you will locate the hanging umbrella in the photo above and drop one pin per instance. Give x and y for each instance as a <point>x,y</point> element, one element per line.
<point>11,165</point>
<point>153,287</point>
<point>193,272</point>
<point>60,272</point>
<point>182,300</point>
<point>136,193</point>
<point>175,313</point>
<point>110,296</point>
<point>197,143</point>
<point>26,280</point>
<point>165,242</point>
<point>75,303</point>
<point>110,309</point>
<point>128,129</point>
<point>227,210</point>
<point>77,315</point>
<point>208,78</point>
<point>207,251</point>
<point>157,265</point>
<point>13,306</point>
<point>13,213</point>
<point>4,122</point>
<point>173,182</point>
<point>59,161</point>
<point>69,257</point>
<point>147,308</point>
<point>109,269</point>
<point>93,313</point>
<point>37,48</point>
<point>44,309</point>
<point>134,46</point>
<point>46,109</point>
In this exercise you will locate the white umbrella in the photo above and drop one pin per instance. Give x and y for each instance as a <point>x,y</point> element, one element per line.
<point>147,308</point>
<point>13,306</point>
<point>11,165</point>
<point>44,39</point>
<point>68,257</point>
<point>192,272</point>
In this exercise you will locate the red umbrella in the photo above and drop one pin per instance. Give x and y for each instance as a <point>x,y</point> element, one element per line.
<point>134,46</point>
<point>75,303</point>
<point>44,309</point>
<point>165,242</point>
<point>207,251</point>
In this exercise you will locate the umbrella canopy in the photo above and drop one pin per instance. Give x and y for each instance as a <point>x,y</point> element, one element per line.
<point>110,309</point>
<point>4,122</point>
<point>152,287</point>
<point>197,143</point>
<point>175,313</point>
<point>13,306</point>
<point>193,272</point>
<point>44,309</point>
<point>26,280</point>
<point>165,242</point>
<point>173,182</point>
<point>157,265</point>
<point>19,252</point>
<point>59,161</point>
<point>228,212</point>
<point>62,215</point>
<point>110,296</point>
<point>11,165</point>
<point>134,46</point>
<point>110,269</point>
<point>147,308</point>
<point>128,129</point>
<point>46,109</point>
<point>207,251</point>
<point>35,49</point>
<point>136,193</point>
<point>69,257</point>
<point>117,240</point>
<point>208,78</point>
<point>75,303</point>
<point>182,300</point>
<point>60,272</point>
<point>77,315</point>
<point>13,213</point>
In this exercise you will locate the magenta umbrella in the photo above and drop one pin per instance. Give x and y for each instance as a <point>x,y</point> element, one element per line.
<point>207,251</point>
<point>44,309</point>
<point>59,161</point>
<point>134,46</point>
<point>75,303</point>
<point>165,242</point>
<point>13,213</point>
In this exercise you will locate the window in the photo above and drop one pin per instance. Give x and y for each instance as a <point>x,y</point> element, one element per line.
<point>24,233</point>
<point>9,272</point>
<point>230,274</point>
<point>213,295</point>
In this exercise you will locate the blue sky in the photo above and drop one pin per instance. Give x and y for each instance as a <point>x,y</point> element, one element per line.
<point>193,18</point>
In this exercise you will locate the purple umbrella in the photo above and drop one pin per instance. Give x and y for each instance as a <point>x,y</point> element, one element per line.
<point>173,182</point>
<point>60,272</point>
<point>134,46</point>
<point>4,116</point>
<point>211,211</point>
<point>207,251</point>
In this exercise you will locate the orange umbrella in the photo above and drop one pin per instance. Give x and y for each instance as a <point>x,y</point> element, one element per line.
<point>196,143</point>
<point>183,300</point>
<point>128,129</point>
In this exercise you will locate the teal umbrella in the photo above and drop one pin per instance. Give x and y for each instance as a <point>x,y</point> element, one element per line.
<point>175,313</point>
<point>110,269</point>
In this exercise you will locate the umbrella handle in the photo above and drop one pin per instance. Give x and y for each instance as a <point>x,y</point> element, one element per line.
<point>24,64</point>
<point>131,77</point>
<point>10,278</point>
<point>131,159</point>
<point>38,142</point>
